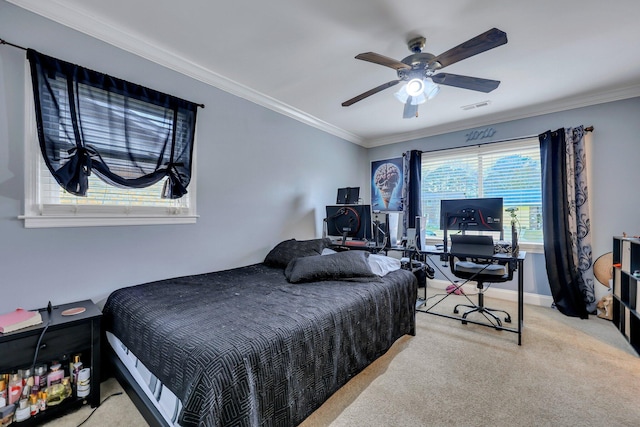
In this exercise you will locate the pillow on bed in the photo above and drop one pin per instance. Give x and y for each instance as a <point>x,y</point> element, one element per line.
<point>381,265</point>
<point>285,251</point>
<point>341,265</point>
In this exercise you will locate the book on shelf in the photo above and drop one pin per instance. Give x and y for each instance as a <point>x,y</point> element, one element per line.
<point>19,319</point>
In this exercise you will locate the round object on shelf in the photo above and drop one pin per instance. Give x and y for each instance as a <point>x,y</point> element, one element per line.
<point>603,268</point>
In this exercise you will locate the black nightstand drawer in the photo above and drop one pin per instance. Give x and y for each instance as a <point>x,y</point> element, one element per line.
<point>72,339</point>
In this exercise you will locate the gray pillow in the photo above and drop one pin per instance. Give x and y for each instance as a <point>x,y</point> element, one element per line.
<point>341,265</point>
<point>285,251</point>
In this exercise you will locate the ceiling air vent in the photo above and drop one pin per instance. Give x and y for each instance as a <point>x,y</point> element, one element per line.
<point>476,105</point>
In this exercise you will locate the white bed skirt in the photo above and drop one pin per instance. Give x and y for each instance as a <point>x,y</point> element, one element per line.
<point>163,399</point>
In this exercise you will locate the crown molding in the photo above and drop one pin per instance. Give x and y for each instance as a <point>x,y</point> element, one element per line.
<point>521,113</point>
<point>119,37</point>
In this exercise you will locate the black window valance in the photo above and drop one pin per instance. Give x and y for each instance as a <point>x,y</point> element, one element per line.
<point>128,135</point>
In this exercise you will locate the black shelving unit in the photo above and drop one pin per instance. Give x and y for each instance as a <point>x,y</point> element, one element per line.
<point>626,295</point>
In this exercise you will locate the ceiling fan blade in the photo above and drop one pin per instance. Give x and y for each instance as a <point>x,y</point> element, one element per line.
<point>410,110</point>
<point>465,82</point>
<point>376,58</point>
<point>485,41</point>
<point>370,92</point>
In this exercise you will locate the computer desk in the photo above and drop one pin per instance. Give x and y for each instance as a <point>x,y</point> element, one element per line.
<point>519,265</point>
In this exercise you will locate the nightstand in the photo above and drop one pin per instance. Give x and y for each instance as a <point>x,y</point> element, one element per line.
<point>65,337</point>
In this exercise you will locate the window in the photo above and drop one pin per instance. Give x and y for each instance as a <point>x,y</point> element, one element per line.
<point>510,170</point>
<point>110,200</point>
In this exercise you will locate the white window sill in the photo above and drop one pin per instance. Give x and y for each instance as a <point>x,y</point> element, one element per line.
<point>53,221</point>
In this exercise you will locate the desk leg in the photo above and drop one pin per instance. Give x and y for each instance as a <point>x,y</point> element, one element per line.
<point>520,300</point>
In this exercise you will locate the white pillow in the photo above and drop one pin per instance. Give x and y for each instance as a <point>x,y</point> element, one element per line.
<point>381,265</point>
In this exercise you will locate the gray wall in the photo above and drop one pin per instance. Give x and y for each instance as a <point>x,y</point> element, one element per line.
<point>614,169</point>
<point>261,178</point>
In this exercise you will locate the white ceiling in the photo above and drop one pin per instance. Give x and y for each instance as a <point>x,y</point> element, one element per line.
<point>297,56</point>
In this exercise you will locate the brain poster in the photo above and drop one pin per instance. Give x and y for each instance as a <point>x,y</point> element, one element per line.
<point>386,185</point>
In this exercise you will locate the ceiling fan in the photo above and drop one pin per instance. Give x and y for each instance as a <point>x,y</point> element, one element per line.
<point>419,70</point>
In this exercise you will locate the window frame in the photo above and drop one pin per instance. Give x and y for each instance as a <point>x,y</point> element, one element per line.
<point>37,215</point>
<point>525,142</point>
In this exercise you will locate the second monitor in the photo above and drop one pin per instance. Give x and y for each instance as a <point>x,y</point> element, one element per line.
<point>348,196</point>
<point>484,214</point>
<point>349,221</point>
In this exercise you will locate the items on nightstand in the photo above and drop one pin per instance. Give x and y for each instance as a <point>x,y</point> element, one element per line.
<point>41,365</point>
<point>15,389</point>
<point>19,319</point>
<point>83,387</point>
<point>75,368</point>
<point>58,392</point>
<point>6,415</point>
<point>55,376</point>
<point>23,411</point>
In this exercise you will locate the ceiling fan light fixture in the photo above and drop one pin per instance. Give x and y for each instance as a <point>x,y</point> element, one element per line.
<point>415,87</point>
<point>428,90</point>
<point>431,89</point>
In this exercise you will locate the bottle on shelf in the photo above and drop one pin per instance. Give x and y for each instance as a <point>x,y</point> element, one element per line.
<point>3,392</point>
<point>76,368</point>
<point>15,388</point>
<point>56,374</point>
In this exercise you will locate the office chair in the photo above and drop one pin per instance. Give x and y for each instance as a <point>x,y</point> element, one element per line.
<point>480,271</point>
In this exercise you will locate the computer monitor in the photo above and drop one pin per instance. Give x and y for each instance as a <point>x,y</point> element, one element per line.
<point>472,214</point>
<point>348,195</point>
<point>349,221</point>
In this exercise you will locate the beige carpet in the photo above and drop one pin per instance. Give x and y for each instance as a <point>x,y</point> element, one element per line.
<point>568,372</point>
<point>116,411</point>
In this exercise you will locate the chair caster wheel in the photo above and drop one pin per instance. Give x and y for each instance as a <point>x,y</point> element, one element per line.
<point>507,319</point>
<point>464,322</point>
<point>455,310</point>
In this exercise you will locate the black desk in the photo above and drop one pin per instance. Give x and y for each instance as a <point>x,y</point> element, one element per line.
<point>519,263</point>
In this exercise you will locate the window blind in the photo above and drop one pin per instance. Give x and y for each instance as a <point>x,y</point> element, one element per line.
<point>129,136</point>
<point>510,170</point>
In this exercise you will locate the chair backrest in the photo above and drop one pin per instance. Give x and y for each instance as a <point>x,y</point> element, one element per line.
<point>470,258</point>
<point>472,245</point>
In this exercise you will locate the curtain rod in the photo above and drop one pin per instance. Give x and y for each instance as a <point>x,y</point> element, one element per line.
<point>587,129</point>
<point>3,41</point>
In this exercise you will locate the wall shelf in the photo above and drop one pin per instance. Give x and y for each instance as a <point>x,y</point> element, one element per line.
<point>626,295</point>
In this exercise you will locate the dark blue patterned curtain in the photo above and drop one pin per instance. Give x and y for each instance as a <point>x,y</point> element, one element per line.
<point>566,223</point>
<point>127,134</point>
<point>411,201</point>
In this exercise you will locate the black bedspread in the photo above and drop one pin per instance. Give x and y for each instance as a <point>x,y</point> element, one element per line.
<point>245,347</point>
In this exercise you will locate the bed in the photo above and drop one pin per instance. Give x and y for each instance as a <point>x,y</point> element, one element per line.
<point>264,344</point>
